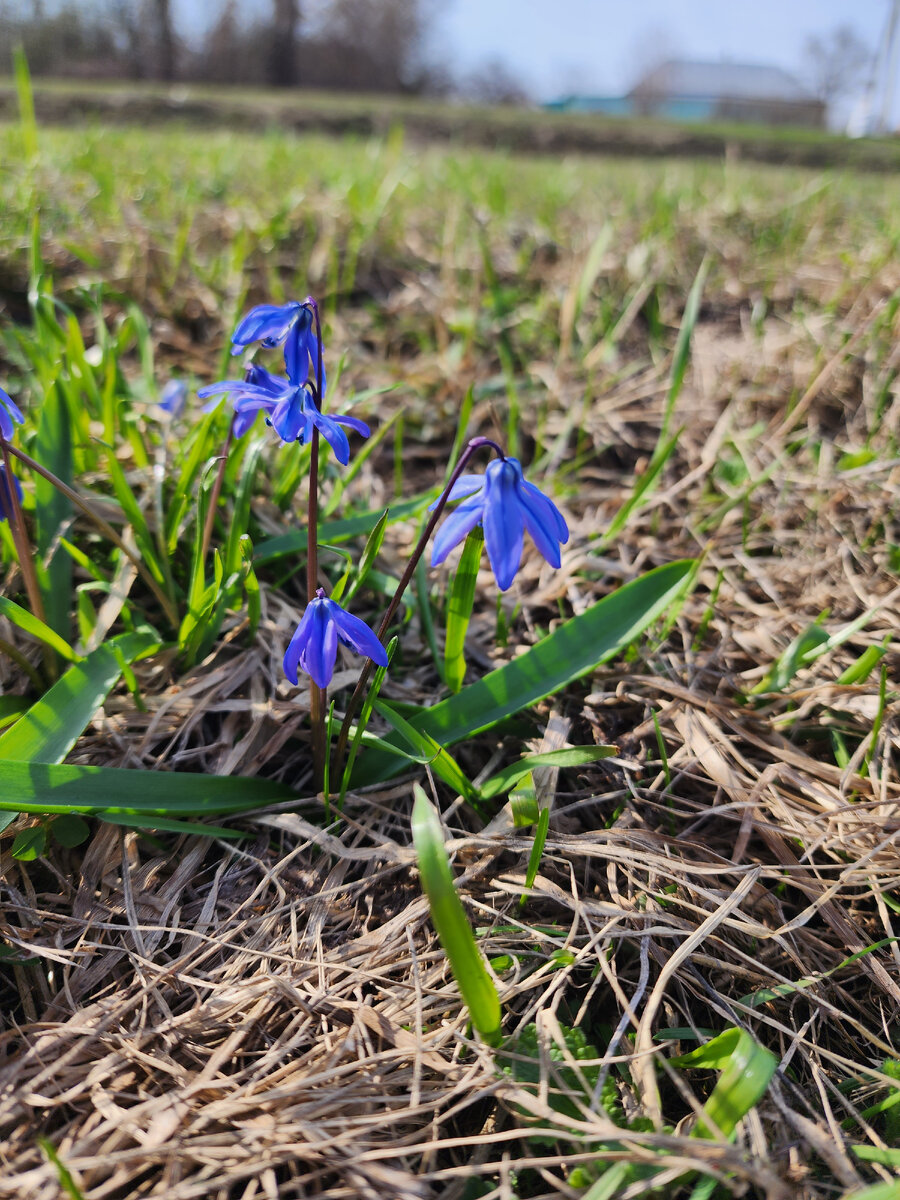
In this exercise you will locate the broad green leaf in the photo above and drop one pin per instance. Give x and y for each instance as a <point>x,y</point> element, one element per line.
<point>53,724</point>
<point>32,625</point>
<point>577,756</point>
<point>878,1191</point>
<point>572,650</point>
<point>48,788</point>
<point>459,610</point>
<point>450,921</point>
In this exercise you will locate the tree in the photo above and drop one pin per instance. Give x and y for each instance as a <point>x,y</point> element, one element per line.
<point>836,63</point>
<point>165,39</point>
<point>283,48</point>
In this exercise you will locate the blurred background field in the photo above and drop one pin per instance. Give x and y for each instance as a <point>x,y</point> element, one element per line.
<point>190,1016</point>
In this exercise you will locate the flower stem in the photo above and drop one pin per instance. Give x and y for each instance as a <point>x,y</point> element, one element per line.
<point>353,705</point>
<point>318,699</point>
<point>216,493</point>
<point>20,538</point>
<point>105,528</point>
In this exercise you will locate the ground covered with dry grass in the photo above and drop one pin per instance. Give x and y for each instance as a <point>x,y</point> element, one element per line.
<point>187,1016</point>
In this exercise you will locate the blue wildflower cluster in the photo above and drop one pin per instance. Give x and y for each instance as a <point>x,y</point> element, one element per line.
<point>501,500</point>
<point>292,405</point>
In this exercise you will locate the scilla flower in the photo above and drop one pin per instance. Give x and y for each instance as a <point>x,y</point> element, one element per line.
<point>505,504</point>
<point>271,324</point>
<point>173,397</point>
<point>313,648</point>
<point>9,413</point>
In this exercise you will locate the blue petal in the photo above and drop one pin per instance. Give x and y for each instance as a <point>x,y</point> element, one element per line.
<point>261,378</point>
<point>503,520</point>
<point>227,385</point>
<point>466,485</point>
<point>542,531</point>
<point>243,420</point>
<point>297,645</point>
<point>5,494</point>
<point>173,397</point>
<point>298,348</point>
<point>14,410</point>
<point>553,517</point>
<point>288,417</point>
<point>355,424</point>
<point>321,649</point>
<point>7,429</point>
<point>332,433</point>
<point>267,323</point>
<point>456,528</point>
<point>357,635</point>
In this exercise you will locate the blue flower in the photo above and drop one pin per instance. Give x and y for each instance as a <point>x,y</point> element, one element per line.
<point>9,412</point>
<point>174,397</point>
<point>270,324</point>
<point>313,648</point>
<point>289,409</point>
<point>505,504</point>
<point>6,500</point>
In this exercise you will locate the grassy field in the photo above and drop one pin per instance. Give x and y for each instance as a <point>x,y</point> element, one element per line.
<point>521,130</point>
<point>272,1014</point>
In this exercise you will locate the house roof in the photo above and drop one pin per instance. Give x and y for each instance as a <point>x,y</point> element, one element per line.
<point>732,80</point>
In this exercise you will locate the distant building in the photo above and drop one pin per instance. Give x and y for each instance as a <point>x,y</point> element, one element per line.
<point>702,91</point>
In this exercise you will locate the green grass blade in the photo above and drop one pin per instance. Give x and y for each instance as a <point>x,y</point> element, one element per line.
<point>571,651</point>
<point>537,849</point>
<point>45,788</point>
<point>369,554</point>
<point>53,450</point>
<point>573,756</point>
<point>682,354</point>
<point>441,762</point>
<point>27,119</point>
<point>364,717</point>
<point>747,1069</point>
<point>52,726</point>
<point>459,610</point>
<point>338,531</point>
<point>451,923</point>
<point>32,625</point>
<point>168,825</point>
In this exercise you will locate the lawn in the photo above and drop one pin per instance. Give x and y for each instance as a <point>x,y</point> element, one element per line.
<point>218,983</point>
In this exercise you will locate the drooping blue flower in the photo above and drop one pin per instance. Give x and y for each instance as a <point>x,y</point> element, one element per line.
<point>6,500</point>
<point>313,648</point>
<point>173,397</point>
<point>9,413</point>
<point>290,410</point>
<point>270,324</point>
<point>506,505</point>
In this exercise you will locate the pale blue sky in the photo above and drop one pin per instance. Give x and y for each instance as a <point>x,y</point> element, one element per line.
<point>599,45</point>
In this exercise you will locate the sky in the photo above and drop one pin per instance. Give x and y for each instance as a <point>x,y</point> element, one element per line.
<point>599,46</point>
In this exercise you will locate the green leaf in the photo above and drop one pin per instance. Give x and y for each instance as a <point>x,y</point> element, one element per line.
<point>168,825</point>
<point>878,1191</point>
<point>70,830</point>
<point>36,628</point>
<point>100,791</point>
<point>370,551</point>
<point>338,531</point>
<point>30,843</point>
<point>53,724</point>
<point>459,610</point>
<point>537,849</point>
<point>450,921</point>
<point>747,1068</point>
<point>441,762</point>
<point>571,651</point>
<point>576,756</point>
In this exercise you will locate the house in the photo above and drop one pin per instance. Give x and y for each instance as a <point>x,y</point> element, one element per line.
<point>703,91</point>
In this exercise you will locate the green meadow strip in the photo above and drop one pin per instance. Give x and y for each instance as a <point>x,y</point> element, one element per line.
<point>52,725</point>
<point>47,788</point>
<point>572,650</point>
<point>450,921</point>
